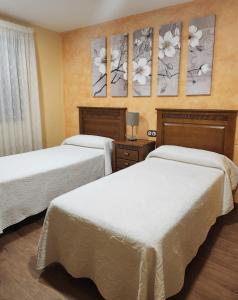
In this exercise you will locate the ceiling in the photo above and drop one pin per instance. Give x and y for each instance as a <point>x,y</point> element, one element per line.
<point>64,15</point>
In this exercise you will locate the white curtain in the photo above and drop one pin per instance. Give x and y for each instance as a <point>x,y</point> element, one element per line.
<point>20,125</point>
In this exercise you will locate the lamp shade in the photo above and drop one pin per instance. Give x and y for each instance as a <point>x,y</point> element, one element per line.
<point>133,118</point>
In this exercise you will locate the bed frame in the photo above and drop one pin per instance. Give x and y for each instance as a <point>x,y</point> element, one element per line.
<point>212,130</point>
<point>103,121</point>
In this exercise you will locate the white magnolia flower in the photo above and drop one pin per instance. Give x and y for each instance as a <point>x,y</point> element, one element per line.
<point>145,34</point>
<point>167,45</point>
<point>141,71</point>
<point>194,36</point>
<point>115,58</point>
<point>137,42</point>
<point>204,69</point>
<point>146,31</point>
<point>124,67</point>
<point>100,61</point>
<point>177,33</point>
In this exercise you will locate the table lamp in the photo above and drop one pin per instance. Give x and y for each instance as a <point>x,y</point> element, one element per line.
<point>132,120</point>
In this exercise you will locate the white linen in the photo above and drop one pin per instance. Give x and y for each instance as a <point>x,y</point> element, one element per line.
<point>20,121</point>
<point>134,232</point>
<point>29,181</point>
<point>204,158</point>
<point>94,141</point>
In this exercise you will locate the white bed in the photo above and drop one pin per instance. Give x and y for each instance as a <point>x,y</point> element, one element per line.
<point>135,231</point>
<point>29,181</point>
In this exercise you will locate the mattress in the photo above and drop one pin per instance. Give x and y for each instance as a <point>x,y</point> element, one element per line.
<point>134,232</point>
<point>29,181</point>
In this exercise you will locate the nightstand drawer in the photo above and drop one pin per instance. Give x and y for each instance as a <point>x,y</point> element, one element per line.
<point>124,163</point>
<point>128,154</point>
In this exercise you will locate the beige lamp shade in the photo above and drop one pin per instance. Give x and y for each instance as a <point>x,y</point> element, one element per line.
<point>133,118</point>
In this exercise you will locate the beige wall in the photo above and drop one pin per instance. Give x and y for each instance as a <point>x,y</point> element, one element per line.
<point>50,74</point>
<point>49,54</point>
<point>77,63</point>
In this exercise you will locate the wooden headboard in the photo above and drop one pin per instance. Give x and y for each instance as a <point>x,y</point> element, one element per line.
<point>212,130</point>
<point>103,121</point>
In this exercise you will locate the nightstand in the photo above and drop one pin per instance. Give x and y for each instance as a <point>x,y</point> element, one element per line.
<point>127,153</point>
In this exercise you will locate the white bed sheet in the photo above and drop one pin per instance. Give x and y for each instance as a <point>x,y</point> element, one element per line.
<point>29,181</point>
<point>135,231</point>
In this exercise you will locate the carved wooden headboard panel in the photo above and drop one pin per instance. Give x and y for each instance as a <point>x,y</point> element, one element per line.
<point>212,130</point>
<point>103,121</point>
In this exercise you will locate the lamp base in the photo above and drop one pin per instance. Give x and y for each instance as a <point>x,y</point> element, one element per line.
<point>132,138</point>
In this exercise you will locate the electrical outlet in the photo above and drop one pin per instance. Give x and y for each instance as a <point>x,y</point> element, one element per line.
<point>152,133</point>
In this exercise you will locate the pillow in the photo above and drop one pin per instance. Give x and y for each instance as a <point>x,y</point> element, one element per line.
<point>90,141</point>
<point>198,157</point>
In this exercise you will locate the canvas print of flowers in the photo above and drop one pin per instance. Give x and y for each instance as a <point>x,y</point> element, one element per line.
<point>142,58</point>
<point>99,67</point>
<point>168,59</point>
<point>200,59</point>
<point>119,65</point>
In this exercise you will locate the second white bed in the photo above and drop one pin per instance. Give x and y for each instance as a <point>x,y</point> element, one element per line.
<point>134,232</point>
<point>29,181</point>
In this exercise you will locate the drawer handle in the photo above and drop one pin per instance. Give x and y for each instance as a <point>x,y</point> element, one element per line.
<point>126,153</point>
<point>126,163</point>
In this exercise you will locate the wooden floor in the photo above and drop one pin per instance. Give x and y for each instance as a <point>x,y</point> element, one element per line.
<point>212,275</point>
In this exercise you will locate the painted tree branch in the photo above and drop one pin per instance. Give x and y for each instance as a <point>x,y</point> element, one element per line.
<point>119,78</point>
<point>100,78</point>
<point>170,76</point>
<point>99,91</point>
<point>196,69</point>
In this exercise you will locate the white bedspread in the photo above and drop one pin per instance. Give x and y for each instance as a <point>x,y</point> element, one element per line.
<point>29,181</point>
<point>96,142</point>
<point>206,159</point>
<point>135,231</point>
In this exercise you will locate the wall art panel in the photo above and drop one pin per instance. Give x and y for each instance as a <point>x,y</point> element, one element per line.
<point>119,65</point>
<point>142,62</point>
<point>200,57</point>
<point>168,60</point>
<point>99,67</point>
